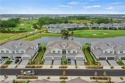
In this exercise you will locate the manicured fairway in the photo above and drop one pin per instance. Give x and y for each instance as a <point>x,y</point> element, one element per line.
<point>6,35</point>
<point>99,33</point>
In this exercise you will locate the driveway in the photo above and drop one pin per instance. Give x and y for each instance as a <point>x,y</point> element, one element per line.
<point>79,62</point>
<point>47,62</point>
<point>12,65</point>
<point>57,62</point>
<point>104,63</point>
<point>113,63</point>
<point>23,64</point>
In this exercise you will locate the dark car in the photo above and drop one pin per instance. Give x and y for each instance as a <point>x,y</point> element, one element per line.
<point>16,61</point>
<point>69,61</point>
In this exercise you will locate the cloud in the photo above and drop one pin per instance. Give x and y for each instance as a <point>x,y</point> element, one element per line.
<point>110,8</point>
<point>94,6</point>
<point>73,3</point>
<point>65,6</point>
<point>116,3</point>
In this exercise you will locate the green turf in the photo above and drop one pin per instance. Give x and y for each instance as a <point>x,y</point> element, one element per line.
<point>120,62</point>
<point>41,53</point>
<point>99,33</point>
<point>6,35</point>
<point>89,57</point>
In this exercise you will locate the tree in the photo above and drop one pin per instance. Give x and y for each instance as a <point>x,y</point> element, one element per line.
<point>104,73</point>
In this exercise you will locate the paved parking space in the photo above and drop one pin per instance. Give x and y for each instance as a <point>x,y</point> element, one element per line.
<point>47,62</point>
<point>3,62</point>
<point>113,63</point>
<point>104,63</point>
<point>12,65</point>
<point>23,64</point>
<point>79,61</point>
<point>57,62</point>
<point>72,62</point>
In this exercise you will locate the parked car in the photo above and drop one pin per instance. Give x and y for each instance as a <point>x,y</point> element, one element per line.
<point>69,61</point>
<point>29,72</point>
<point>16,61</point>
<point>1,60</point>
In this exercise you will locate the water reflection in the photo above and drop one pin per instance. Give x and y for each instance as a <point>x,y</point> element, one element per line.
<point>45,40</point>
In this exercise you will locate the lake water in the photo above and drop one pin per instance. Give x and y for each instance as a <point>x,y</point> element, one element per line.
<point>45,40</point>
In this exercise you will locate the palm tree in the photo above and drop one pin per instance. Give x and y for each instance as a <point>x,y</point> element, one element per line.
<point>104,73</point>
<point>95,73</point>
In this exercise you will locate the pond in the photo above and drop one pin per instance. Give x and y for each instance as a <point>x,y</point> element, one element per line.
<point>46,39</point>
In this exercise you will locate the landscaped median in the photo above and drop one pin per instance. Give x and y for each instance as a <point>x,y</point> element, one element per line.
<point>37,62</point>
<point>5,65</point>
<point>90,59</point>
<point>27,77</point>
<point>91,63</point>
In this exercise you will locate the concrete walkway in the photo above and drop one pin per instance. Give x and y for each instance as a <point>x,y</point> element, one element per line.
<point>56,78</point>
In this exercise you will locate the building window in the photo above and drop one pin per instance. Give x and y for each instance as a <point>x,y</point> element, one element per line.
<point>17,51</point>
<point>64,52</point>
<point>53,51</point>
<point>22,51</point>
<point>111,52</point>
<point>7,51</point>
<point>106,52</point>
<point>121,51</point>
<point>68,51</point>
<point>74,52</point>
<point>2,51</point>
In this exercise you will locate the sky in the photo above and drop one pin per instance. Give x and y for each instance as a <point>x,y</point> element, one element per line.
<point>62,6</point>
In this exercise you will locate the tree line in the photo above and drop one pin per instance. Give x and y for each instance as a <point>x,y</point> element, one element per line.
<point>58,20</point>
<point>9,23</point>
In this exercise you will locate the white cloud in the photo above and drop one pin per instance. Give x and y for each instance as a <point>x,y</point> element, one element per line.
<point>65,6</point>
<point>110,8</point>
<point>73,3</point>
<point>94,6</point>
<point>116,3</point>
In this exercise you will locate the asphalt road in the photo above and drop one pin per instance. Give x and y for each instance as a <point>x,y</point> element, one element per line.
<point>69,72</point>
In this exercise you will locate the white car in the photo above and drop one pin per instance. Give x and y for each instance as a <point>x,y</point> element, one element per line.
<point>30,72</point>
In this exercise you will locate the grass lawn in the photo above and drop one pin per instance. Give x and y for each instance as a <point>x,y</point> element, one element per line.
<point>63,81</point>
<point>88,55</point>
<point>6,35</point>
<point>8,62</point>
<point>41,53</point>
<point>24,24</point>
<point>120,62</point>
<point>41,35</point>
<point>99,33</point>
<point>79,21</point>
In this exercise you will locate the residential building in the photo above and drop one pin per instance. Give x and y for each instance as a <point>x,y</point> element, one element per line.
<point>66,49</point>
<point>18,49</point>
<point>111,50</point>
